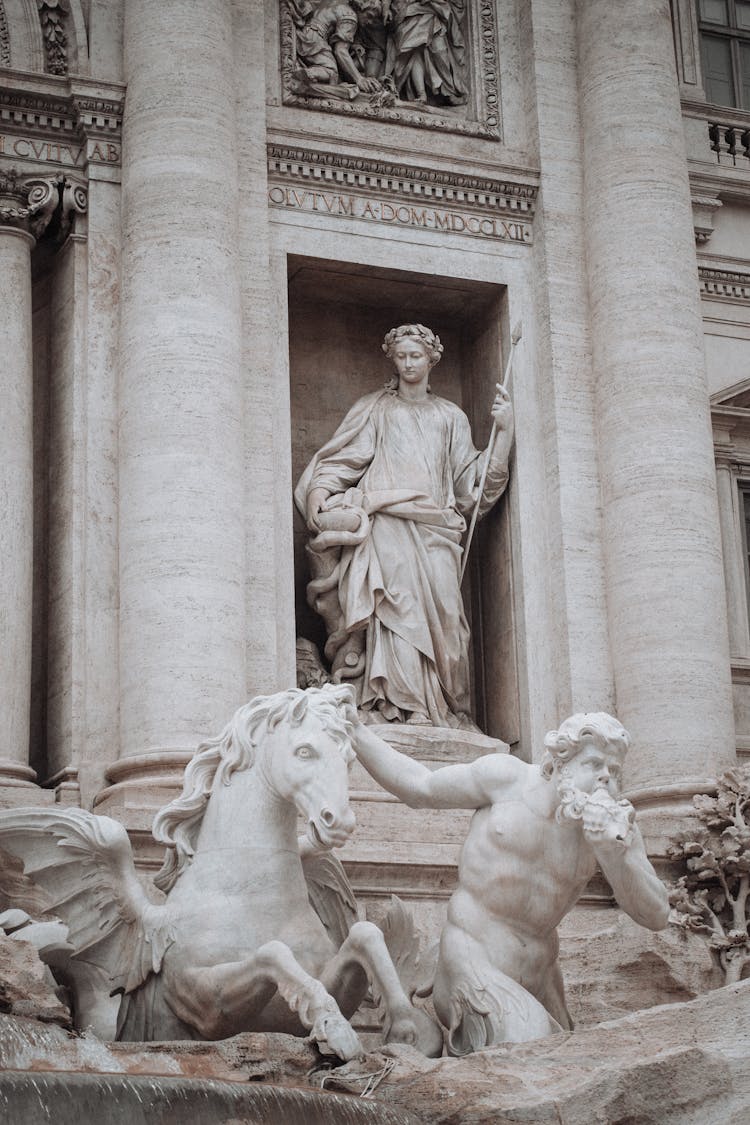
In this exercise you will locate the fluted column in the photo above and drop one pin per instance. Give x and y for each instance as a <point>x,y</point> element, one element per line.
<point>665,586</point>
<point>16,484</point>
<point>182,620</point>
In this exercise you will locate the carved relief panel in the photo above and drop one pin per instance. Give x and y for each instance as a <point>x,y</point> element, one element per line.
<point>430,63</point>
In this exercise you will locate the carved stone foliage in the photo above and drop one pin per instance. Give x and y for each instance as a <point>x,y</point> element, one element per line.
<point>14,201</point>
<point>52,16</point>
<point>712,898</point>
<point>429,63</point>
<point>4,38</point>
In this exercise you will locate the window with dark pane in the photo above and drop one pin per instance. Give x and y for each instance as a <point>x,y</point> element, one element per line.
<point>725,51</point>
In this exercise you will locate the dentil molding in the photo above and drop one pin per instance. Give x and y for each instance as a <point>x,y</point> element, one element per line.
<point>60,124</point>
<point>357,187</point>
<point>724,285</point>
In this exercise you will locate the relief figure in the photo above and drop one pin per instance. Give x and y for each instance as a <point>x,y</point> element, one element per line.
<point>340,47</point>
<point>426,50</point>
<point>381,51</point>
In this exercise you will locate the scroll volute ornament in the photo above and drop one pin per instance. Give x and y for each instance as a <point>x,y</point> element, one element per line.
<point>32,204</point>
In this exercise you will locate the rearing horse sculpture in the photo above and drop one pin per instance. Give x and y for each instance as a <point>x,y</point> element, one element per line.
<point>236,946</point>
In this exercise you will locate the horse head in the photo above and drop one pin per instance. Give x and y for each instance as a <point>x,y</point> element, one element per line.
<point>305,758</point>
<point>297,741</point>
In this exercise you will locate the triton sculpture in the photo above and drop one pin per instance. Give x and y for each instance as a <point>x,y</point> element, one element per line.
<point>533,844</point>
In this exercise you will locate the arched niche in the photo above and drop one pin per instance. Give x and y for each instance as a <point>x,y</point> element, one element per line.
<point>21,22</point>
<point>338,314</point>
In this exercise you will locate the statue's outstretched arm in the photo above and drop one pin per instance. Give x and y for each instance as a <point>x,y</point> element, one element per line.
<point>466,786</point>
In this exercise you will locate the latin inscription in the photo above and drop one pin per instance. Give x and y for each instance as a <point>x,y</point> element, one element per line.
<point>54,152</point>
<point>400,214</point>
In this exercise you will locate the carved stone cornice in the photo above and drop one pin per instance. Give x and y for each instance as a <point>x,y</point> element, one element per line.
<point>65,123</point>
<point>66,107</point>
<point>724,285</point>
<point>410,182</point>
<point>36,111</point>
<point>102,116</point>
<point>333,183</point>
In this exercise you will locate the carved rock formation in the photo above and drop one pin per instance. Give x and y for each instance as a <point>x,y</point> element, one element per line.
<point>670,1065</point>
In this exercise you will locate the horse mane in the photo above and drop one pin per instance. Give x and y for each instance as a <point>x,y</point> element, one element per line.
<point>217,759</point>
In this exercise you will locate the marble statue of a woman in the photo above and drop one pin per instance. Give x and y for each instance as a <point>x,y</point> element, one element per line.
<point>387,500</point>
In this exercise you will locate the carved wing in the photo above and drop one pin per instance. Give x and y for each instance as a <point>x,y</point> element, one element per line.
<point>415,966</point>
<point>330,893</point>
<point>83,865</point>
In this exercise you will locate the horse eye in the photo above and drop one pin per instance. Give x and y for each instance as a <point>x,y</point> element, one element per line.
<point>304,752</point>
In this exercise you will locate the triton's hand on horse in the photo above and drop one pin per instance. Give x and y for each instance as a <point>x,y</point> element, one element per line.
<point>237,945</point>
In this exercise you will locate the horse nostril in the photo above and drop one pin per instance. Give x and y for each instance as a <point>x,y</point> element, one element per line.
<point>327,817</point>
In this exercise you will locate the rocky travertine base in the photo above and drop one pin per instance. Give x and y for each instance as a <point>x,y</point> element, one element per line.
<point>675,1064</point>
<point>26,985</point>
<point>612,966</point>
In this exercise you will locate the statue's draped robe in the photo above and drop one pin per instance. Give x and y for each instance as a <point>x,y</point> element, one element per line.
<point>418,471</point>
<point>430,31</point>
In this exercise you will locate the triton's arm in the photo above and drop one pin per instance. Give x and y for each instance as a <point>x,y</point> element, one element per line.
<point>470,786</point>
<point>628,870</point>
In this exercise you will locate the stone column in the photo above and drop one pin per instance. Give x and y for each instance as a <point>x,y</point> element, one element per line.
<point>665,586</point>
<point>182,619</point>
<point>565,628</point>
<point>16,475</point>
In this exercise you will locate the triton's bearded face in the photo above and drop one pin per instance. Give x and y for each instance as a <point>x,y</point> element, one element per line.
<point>593,775</point>
<point>593,767</point>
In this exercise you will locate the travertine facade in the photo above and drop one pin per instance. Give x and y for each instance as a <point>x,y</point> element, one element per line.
<point>206,299</point>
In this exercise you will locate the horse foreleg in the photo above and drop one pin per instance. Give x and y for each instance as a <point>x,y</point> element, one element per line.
<point>365,948</point>
<point>222,1000</point>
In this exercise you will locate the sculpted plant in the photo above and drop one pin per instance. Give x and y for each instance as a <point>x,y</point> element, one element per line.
<point>712,898</point>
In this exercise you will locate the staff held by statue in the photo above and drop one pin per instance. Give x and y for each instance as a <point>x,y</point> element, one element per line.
<point>515,337</point>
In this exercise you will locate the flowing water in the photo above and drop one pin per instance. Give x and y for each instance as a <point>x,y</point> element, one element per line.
<point>28,1098</point>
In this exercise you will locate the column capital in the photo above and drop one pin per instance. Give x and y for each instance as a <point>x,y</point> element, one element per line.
<point>30,203</point>
<point>15,212</point>
<point>726,458</point>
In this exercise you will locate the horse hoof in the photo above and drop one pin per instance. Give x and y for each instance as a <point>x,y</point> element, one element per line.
<point>418,1030</point>
<point>335,1036</point>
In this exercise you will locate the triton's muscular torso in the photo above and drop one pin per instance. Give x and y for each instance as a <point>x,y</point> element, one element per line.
<point>519,873</point>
